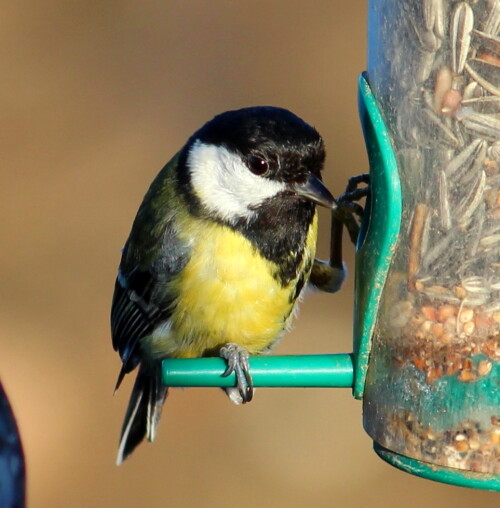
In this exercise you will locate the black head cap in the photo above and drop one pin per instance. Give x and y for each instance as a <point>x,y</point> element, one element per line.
<point>291,147</point>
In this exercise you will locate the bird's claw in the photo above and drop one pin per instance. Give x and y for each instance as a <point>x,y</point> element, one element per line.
<point>237,362</point>
<point>352,191</point>
<point>348,211</point>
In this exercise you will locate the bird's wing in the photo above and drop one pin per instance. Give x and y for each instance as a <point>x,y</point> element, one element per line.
<point>133,314</point>
<point>136,311</point>
<point>152,257</point>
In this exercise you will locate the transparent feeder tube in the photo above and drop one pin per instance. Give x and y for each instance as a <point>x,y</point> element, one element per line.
<point>433,385</point>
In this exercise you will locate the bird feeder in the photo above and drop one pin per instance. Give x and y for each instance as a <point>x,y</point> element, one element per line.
<point>432,392</point>
<point>426,352</point>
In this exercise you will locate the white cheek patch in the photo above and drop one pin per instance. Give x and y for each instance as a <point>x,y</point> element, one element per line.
<point>225,185</point>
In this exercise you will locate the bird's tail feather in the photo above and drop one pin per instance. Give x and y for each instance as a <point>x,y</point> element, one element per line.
<point>143,411</point>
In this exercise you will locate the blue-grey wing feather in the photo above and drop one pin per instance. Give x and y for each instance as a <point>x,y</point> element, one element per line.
<point>153,256</point>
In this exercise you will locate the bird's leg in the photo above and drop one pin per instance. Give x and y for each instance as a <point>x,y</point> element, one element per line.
<point>237,362</point>
<point>329,276</point>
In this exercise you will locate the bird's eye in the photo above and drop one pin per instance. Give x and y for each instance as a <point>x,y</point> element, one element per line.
<point>257,165</point>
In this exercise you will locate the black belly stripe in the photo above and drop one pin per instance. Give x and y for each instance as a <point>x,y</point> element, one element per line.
<point>279,232</point>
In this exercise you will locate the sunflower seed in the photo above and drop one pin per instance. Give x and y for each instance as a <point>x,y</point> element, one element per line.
<point>485,73</point>
<point>488,105</point>
<point>472,91</point>
<point>464,160</point>
<point>480,124</point>
<point>492,23</point>
<point>469,203</point>
<point>494,151</point>
<point>461,26</point>
<point>426,39</point>
<point>476,231</point>
<point>444,202</point>
<point>489,241</point>
<point>486,41</point>
<point>475,284</point>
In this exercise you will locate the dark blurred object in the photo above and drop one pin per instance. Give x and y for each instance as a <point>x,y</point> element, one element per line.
<point>12,470</point>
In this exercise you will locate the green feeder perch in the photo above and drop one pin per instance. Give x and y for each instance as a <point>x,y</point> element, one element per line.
<point>426,352</point>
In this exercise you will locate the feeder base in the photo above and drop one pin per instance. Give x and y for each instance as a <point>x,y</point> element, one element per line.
<point>439,473</point>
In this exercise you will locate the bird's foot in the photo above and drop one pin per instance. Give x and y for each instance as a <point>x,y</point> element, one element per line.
<point>353,192</point>
<point>237,362</point>
<point>348,211</point>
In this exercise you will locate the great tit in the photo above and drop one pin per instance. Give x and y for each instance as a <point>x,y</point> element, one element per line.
<point>219,254</point>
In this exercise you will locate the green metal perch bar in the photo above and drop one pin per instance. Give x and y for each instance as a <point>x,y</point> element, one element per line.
<point>327,371</point>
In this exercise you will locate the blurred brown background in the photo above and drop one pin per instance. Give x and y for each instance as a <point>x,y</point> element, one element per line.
<point>96,96</point>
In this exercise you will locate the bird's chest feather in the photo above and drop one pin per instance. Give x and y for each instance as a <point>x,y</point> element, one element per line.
<point>228,292</point>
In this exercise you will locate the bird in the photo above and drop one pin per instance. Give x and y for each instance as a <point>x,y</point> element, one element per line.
<point>219,254</point>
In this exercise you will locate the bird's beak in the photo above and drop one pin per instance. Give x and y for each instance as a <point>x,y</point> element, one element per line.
<point>314,190</point>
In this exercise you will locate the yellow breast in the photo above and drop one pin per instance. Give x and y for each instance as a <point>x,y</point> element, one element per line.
<point>227,293</point>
